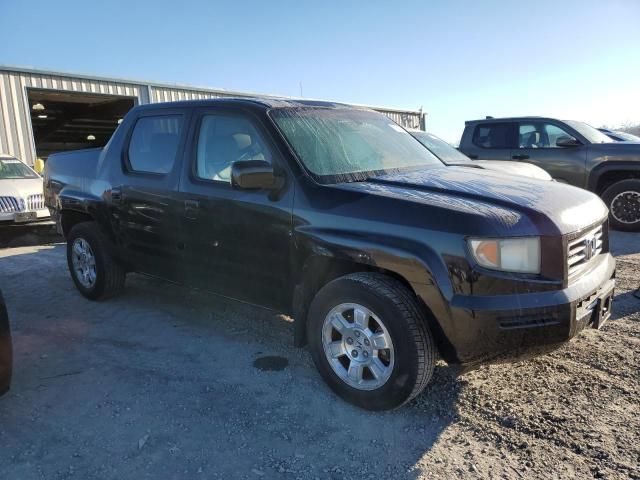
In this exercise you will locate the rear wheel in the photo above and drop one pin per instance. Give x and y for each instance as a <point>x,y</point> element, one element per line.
<point>370,341</point>
<point>623,200</point>
<point>93,269</point>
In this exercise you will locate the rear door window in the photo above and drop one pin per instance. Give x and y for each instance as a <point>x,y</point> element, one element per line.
<point>493,135</point>
<point>154,143</point>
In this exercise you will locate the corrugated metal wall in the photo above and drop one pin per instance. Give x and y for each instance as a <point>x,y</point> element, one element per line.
<point>406,119</point>
<point>167,94</point>
<point>16,136</point>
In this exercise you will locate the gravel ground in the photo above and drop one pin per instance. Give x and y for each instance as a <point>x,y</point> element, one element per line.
<point>12,235</point>
<point>160,383</point>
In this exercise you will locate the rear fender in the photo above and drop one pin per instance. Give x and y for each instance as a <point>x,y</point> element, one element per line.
<point>71,200</point>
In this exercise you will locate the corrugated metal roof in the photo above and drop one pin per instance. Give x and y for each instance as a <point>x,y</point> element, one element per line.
<point>16,137</point>
<point>207,91</point>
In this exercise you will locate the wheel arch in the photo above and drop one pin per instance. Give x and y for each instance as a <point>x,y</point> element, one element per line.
<point>608,173</point>
<point>70,218</point>
<point>318,270</point>
<point>73,207</point>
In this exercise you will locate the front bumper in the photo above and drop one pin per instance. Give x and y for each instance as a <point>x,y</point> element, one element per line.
<point>38,215</point>
<point>499,328</point>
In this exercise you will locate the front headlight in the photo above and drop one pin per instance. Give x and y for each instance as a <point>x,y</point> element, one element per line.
<point>508,255</point>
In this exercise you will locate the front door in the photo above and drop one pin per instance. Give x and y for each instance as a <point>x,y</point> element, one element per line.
<point>237,242</point>
<point>537,145</point>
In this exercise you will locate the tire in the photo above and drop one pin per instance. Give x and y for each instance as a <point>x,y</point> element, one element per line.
<point>623,201</point>
<point>108,276</point>
<point>391,312</point>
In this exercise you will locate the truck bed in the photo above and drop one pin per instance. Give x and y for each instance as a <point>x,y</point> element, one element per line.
<point>73,170</point>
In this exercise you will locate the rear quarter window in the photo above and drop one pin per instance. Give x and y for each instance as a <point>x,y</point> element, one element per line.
<point>492,135</point>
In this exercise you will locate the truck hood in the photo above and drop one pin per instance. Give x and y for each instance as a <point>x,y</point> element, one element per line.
<point>20,187</point>
<point>616,150</point>
<point>514,168</point>
<point>508,203</point>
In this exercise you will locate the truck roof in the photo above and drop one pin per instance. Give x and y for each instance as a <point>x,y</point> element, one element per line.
<point>509,119</point>
<point>250,101</point>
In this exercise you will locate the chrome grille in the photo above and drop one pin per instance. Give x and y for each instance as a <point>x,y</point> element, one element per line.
<point>583,249</point>
<point>9,205</point>
<point>35,202</point>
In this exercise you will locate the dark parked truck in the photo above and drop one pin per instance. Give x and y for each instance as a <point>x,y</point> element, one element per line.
<point>6,353</point>
<point>383,255</point>
<point>572,152</point>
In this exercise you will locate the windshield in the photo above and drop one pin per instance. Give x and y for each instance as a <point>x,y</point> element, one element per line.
<point>341,145</point>
<point>592,134</point>
<point>440,148</point>
<point>11,168</point>
<point>627,137</point>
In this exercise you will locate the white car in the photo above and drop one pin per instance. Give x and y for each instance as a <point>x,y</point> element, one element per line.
<point>452,156</point>
<point>21,192</point>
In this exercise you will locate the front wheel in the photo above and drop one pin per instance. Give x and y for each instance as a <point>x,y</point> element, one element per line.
<point>93,269</point>
<point>623,200</point>
<point>369,339</point>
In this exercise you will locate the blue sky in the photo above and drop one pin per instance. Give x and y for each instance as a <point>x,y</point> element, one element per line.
<point>456,59</point>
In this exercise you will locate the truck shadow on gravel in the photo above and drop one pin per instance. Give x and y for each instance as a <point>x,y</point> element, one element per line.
<point>625,305</point>
<point>27,235</point>
<point>314,421</point>
<point>161,381</point>
<point>624,243</point>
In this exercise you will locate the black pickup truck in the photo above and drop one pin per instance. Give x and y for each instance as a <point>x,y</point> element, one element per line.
<point>383,255</point>
<point>572,152</point>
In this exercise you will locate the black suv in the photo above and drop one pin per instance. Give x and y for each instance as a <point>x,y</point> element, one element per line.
<point>572,152</point>
<point>335,215</point>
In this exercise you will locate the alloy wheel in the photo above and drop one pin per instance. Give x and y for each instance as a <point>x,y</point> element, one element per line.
<point>358,346</point>
<point>625,207</point>
<point>84,263</point>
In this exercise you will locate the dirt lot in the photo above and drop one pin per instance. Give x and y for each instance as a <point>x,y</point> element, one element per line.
<point>161,384</point>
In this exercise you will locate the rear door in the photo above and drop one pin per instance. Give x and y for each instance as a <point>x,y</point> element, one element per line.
<point>537,144</point>
<point>491,141</point>
<point>237,242</point>
<point>146,210</point>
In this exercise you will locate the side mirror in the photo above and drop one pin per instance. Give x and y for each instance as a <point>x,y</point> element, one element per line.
<point>253,175</point>
<point>566,141</point>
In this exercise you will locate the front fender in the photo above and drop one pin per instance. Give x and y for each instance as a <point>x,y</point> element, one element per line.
<point>417,264</point>
<point>607,166</point>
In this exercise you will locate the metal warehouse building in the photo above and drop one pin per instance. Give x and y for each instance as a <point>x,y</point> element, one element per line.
<point>42,112</point>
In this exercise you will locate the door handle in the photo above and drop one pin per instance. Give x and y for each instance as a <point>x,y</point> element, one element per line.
<point>473,157</point>
<point>519,157</point>
<point>116,195</point>
<point>190,209</point>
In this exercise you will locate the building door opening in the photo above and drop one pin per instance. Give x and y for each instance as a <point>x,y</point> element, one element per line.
<point>65,121</point>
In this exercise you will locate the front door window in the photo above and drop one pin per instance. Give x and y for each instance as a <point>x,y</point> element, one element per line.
<point>540,135</point>
<point>224,139</point>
